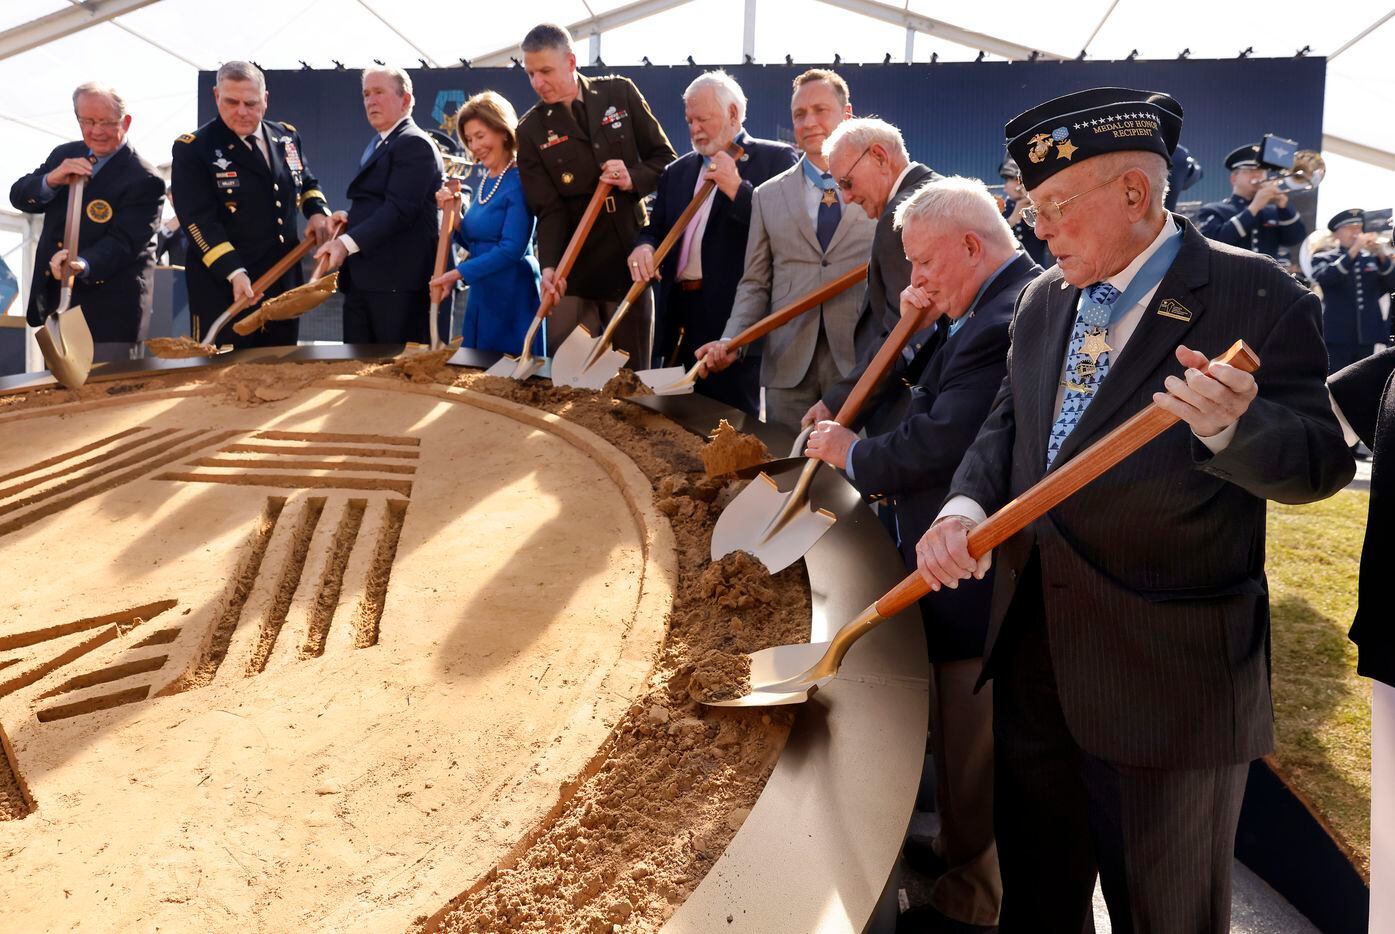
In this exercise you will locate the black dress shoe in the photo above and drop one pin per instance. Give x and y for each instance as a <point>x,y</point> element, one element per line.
<point>919,853</point>
<point>926,919</point>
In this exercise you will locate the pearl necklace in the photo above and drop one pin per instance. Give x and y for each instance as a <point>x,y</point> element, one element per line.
<point>498,180</point>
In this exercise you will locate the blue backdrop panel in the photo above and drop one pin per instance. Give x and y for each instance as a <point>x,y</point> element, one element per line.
<point>951,114</point>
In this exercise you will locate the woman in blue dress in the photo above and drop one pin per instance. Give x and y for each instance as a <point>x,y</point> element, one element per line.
<point>497,231</point>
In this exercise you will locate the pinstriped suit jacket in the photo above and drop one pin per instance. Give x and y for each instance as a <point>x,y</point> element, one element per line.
<point>1153,576</point>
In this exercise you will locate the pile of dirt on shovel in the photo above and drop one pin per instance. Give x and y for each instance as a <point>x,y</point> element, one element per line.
<point>629,842</point>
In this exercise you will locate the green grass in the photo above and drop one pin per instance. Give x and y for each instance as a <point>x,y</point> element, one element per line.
<point>1322,709</point>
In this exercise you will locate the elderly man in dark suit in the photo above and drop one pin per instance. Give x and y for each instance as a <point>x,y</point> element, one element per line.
<point>389,243</point>
<point>1127,643</point>
<point>966,265</point>
<point>1363,396</point>
<point>868,158</point>
<point>121,199</point>
<point>698,278</point>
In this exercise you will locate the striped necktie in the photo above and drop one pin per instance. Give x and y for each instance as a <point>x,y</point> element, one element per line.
<point>1086,363</point>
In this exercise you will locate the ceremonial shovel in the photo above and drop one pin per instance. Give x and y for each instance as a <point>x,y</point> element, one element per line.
<point>589,362</point>
<point>672,381</point>
<point>63,336</point>
<point>455,168</point>
<point>779,528</point>
<point>297,301</point>
<point>525,364</point>
<point>789,674</point>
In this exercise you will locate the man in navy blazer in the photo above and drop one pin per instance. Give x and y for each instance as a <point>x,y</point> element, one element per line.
<point>966,265</point>
<point>698,278</point>
<point>389,244</point>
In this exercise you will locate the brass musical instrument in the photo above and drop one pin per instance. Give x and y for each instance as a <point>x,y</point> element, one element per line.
<point>1306,174</point>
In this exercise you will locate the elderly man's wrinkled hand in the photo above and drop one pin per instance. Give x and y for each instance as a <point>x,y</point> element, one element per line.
<point>1210,397</point>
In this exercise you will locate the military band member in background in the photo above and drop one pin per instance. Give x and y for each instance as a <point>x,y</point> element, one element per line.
<point>802,236</point>
<point>122,201</point>
<point>581,132</point>
<point>1353,277</point>
<point>698,279</point>
<point>1257,215</point>
<point>1014,204</point>
<point>241,179</point>
<point>389,241</point>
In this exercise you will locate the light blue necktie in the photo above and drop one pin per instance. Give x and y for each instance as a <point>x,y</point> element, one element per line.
<point>369,150</point>
<point>1086,363</point>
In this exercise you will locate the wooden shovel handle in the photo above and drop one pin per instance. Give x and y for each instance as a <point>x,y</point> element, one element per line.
<point>800,305</point>
<point>71,228</point>
<point>583,229</point>
<point>448,222</point>
<point>335,230</point>
<point>1060,484</point>
<point>266,279</point>
<point>880,365</point>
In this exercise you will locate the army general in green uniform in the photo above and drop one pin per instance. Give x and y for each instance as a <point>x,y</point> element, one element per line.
<point>584,131</point>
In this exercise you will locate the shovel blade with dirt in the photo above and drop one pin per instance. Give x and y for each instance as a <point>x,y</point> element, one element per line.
<point>790,674</point>
<point>64,337</point>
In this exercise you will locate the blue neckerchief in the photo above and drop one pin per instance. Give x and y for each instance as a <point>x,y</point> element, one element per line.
<point>1147,278</point>
<point>812,173</point>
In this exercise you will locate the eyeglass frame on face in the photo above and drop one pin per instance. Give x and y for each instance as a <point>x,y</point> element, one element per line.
<point>1031,212</point>
<point>87,123</point>
<point>845,181</point>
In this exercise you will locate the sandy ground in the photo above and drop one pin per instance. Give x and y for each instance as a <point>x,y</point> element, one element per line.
<point>289,657</point>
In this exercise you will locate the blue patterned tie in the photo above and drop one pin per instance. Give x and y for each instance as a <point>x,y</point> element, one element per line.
<point>830,212</point>
<point>1086,363</point>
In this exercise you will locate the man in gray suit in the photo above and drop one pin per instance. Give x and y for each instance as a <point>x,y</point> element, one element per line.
<point>868,158</point>
<point>801,237</point>
<point>1128,632</point>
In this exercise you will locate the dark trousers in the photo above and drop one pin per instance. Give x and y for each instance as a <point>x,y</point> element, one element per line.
<point>1161,840</point>
<point>391,317</point>
<point>739,384</point>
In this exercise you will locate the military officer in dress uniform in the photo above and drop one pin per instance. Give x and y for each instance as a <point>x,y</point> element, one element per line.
<point>1257,215</point>
<point>241,178</point>
<point>121,198</point>
<point>1014,205</point>
<point>581,132</point>
<point>1353,277</point>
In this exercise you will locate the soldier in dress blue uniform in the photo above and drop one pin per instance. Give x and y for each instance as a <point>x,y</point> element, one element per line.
<point>1014,204</point>
<point>241,179</point>
<point>1353,277</point>
<point>1257,215</point>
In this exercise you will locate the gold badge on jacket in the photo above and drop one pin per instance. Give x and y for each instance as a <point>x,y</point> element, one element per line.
<point>1171,308</point>
<point>567,178</point>
<point>98,211</point>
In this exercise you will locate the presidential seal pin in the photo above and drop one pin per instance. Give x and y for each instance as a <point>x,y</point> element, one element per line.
<point>99,211</point>
<point>1171,308</point>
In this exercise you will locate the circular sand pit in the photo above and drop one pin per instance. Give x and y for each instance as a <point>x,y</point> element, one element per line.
<point>311,657</point>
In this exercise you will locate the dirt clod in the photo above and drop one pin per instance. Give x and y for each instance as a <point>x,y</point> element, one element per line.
<point>728,450</point>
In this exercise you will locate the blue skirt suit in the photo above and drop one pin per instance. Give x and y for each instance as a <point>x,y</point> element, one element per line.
<point>501,270</point>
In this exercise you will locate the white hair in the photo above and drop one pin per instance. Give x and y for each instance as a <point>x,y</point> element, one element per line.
<point>863,133</point>
<point>1151,164</point>
<point>241,71</point>
<point>725,87</point>
<point>961,203</point>
<point>104,91</point>
<point>399,77</point>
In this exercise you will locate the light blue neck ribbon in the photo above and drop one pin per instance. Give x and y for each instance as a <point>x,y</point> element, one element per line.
<point>812,173</point>
<point>1099,315</point>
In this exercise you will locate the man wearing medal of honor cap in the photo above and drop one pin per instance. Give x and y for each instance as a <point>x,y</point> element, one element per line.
<point>1128,635</point>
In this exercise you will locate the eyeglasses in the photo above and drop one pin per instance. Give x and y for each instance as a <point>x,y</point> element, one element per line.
<point>1052,210</point>
<point>87,123</point>
<point>845,181</point>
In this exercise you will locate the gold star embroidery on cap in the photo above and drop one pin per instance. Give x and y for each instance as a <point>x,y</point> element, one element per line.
<point>1065,149</point>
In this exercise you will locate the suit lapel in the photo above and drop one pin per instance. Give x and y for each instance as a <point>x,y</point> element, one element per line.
<point>1060,319</point>
<point>235,149</point>
<point>793,189</point>
<point>1153,341</point>
<point>276,151</point>
<point>381,148</point>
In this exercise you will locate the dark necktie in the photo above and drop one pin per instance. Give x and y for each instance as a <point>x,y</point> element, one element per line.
<point>579,114</point>
<point>252,141</point>
<point>829,216</point>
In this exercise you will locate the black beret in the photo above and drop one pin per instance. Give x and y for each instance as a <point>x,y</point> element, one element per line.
<point>1349,216</point>
<point>1070,129</point>
<point>1246,157</point>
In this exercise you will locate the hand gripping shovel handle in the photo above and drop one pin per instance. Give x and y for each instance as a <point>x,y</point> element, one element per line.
<point>675,233</point>
<point>335,230</point>
<point>800,305</point>
<point>1061,483</point>
<point>71,228</point>
<point>449,218</point>
<point>264,282</point>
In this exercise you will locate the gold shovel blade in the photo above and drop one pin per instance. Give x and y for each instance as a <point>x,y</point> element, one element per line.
<point>667,380</point>
<point>781,675</point>
<point>573,365</point>
<point>752,523</point>
<point>66,343</point>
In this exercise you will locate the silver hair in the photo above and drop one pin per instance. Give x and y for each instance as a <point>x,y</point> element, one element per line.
<point>962,203</point>
<point>97,89</point>
<point>1111,164</point>
<point>864,132</point>
<point>725,87</point>
<point>241,71</point>
<point>404,80</point>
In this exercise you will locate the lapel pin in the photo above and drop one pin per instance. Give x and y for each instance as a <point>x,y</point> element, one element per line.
<point>1171,308</point>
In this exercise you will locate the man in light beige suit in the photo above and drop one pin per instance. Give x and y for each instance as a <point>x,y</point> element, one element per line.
<point>802,236</point>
